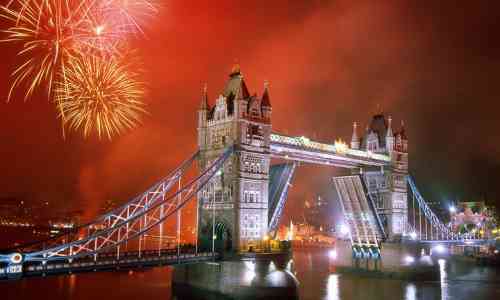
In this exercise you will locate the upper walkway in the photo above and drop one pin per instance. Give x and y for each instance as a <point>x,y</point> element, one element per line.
<point>338,154</point>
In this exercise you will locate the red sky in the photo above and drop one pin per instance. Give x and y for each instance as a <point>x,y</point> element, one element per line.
<point>329,63</point>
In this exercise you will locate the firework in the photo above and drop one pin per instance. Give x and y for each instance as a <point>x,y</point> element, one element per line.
<point>75,48</point>
<point>128,16</point>
<point>46,29</point>
<point>101,95</point>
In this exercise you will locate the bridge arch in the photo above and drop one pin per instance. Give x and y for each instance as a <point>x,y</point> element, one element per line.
<point>221,233</point>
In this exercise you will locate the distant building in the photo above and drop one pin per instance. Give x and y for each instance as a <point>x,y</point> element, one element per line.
<point>317,213</point>
<point>304,232</point>
<point>473,215</point>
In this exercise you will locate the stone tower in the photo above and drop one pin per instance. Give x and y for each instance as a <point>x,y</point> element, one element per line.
<point>387,186</point>
<point>238,194</point>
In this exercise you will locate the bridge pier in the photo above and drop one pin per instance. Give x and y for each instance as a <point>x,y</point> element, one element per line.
<point>400,260</point>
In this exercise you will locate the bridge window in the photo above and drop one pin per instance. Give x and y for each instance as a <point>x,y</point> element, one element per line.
<point>251,197</point>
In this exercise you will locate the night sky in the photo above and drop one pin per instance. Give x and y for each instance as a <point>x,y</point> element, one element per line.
<point>433,64</point>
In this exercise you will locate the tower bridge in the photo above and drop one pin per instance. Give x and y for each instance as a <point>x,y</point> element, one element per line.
<point>240,194</point>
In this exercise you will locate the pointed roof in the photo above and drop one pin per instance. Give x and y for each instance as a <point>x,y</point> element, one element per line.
<point>204,99</point>
<point>236,86</point>
<point>378,126</point>
<point>402,131</point>
<point>265,97</point>
<point>389,128</point>
<point>355,137</point>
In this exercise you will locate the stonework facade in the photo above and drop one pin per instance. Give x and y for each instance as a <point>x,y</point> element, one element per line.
<point>387,186</point>
<point>238,194</point>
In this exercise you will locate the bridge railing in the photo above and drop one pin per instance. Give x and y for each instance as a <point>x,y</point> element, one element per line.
<point>130,221</point>
<point>433,227</point>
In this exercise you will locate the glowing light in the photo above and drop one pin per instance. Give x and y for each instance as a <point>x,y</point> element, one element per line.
<point>16,258</point>
<point>332,254</point>
<point>409,259</point>
<point>439,249</point>
<point>413,235</point>
<point>344,230</point>
<point>266,237</point>
<point>99,29</point>
<point>453,209</point>
<point>340,146</point>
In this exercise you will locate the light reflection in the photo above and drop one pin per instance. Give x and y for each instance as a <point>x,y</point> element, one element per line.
<point>442,277</point>
<point>272,267</point>
<point>277,278</point>
<point>411,292</point>
<point>249,274</point>
<point>332,288</point>
<point>289,265</point>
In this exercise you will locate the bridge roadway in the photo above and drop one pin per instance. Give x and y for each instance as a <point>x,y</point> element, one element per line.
<point>107,262</point>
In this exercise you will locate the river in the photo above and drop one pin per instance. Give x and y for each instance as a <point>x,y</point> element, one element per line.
<point>317,279</point>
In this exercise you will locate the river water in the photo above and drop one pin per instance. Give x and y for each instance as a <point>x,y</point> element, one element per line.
<point>312,268</point>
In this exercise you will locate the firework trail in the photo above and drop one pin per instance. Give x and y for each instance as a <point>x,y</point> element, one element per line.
<point>54,37</point>
<point>46,31</point>
<point>100,95</point>
<point>129,15</point>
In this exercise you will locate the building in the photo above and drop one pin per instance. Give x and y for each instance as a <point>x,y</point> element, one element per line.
<point>386,187</point>
<point>472,215</point>
<point>317,213</point>
<point>239,193</point>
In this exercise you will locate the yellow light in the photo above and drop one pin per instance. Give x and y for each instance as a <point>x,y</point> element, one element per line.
<point>266,237</point>
<point>99,29</point>
<point>340,146</point>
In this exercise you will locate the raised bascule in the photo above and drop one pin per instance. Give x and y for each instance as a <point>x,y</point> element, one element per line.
<point>240,194</point>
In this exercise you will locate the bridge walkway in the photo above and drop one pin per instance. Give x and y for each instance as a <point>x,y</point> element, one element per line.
<point>107,261</point>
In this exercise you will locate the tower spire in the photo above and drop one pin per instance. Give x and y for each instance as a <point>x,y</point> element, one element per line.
<point>389,127</point>
<point>204,98</point>
<point>389,137</point>
<point>265,96</point>
<point>355,138</point>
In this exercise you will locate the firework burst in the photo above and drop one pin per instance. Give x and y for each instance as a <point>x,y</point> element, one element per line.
<point>101,95</point>
<point>47,31</point>
<point>128,15</point>
<point>75,48</point>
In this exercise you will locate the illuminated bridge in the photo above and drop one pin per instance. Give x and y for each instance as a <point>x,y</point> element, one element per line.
<point>240,177</point>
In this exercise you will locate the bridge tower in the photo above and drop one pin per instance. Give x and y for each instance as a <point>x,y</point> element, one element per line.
<point>386,186</point>
<point>238,195</point>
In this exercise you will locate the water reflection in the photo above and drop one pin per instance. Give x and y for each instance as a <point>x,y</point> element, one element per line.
<point>249,273</point>
<point>411,292</point>
<point>442,277</point>
<point>318,280</point>
<point>332,288</point>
